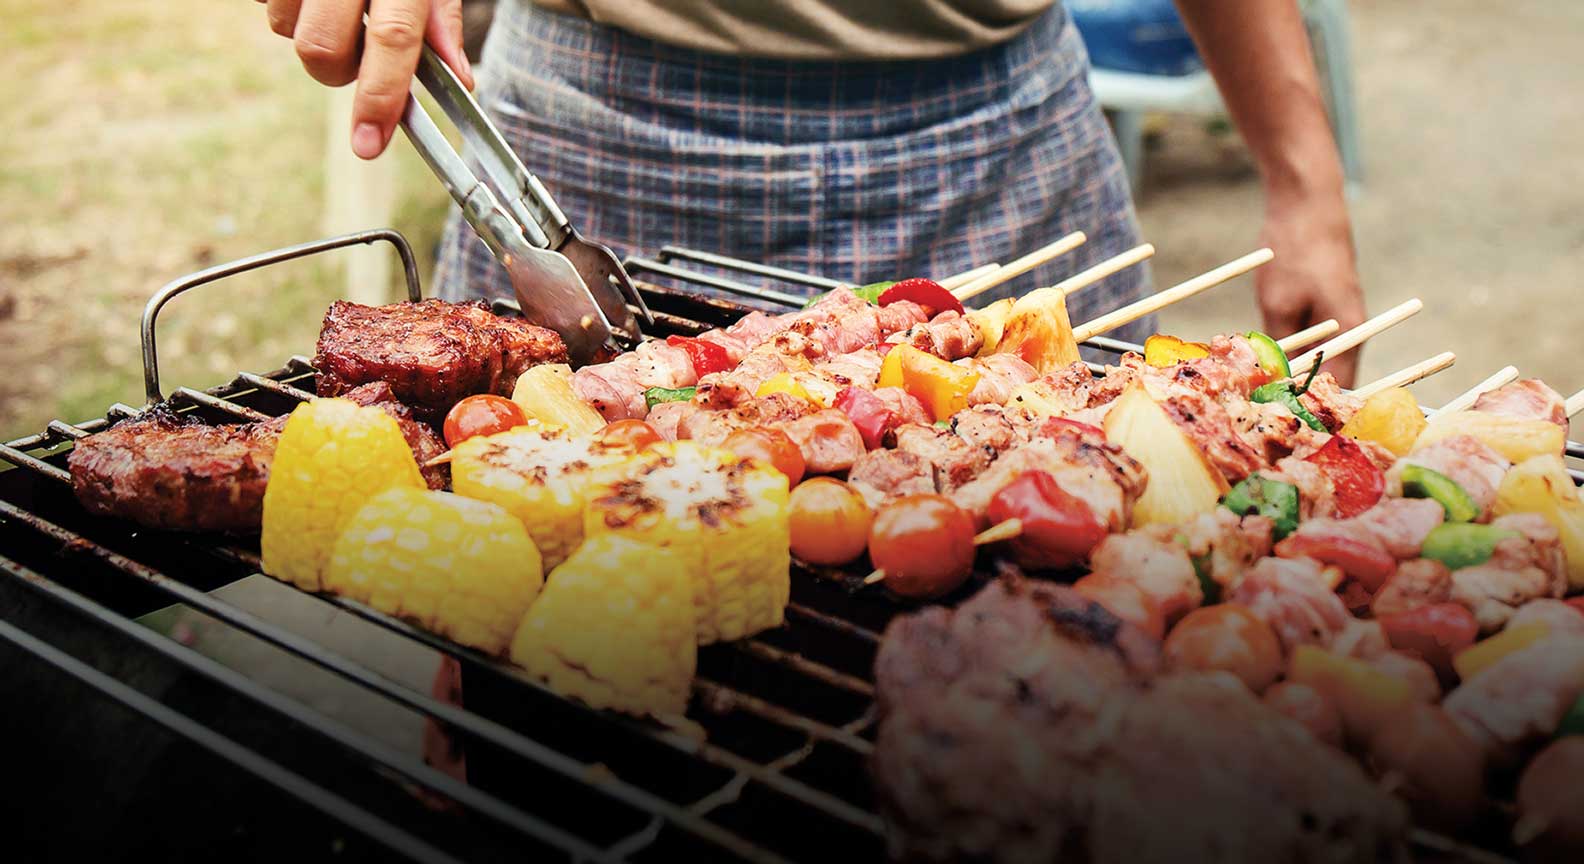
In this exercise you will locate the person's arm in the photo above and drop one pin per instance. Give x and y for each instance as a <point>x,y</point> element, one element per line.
<point>1258,52</point>
<point>336,48</point>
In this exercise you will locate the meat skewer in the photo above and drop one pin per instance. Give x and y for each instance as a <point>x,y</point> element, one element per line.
<point>1403,377</point>
<point>1504,376</point>
<point>1356,336</point>
<point>1020,266</point>
<point>1181,291</point>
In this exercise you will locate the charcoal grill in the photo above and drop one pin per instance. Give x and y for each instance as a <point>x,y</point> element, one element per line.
<point>775,771</point>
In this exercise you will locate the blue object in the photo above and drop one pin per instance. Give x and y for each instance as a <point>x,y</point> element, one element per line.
<point>1141,36</point>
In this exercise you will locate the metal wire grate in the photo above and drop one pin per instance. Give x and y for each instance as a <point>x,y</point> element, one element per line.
<point>775,769</point>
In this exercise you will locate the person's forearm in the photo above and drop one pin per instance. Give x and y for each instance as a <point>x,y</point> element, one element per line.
<point>1258,52</point>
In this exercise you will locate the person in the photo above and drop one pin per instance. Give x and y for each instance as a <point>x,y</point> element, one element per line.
<point>856,140</point>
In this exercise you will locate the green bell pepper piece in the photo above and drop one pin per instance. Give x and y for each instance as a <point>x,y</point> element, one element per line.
<point>870,293</point>
<point>655,395</point>
<point>1463,544</point>
<point>1282,392</point>
<point>1421,482</point>
<point>1265,497</point>
<point>1270,355</point>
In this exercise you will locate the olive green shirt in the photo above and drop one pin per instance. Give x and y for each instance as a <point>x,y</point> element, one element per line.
<point>816,29</point>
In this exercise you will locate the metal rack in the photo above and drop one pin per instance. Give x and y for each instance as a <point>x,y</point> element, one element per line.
<point>775,769</point>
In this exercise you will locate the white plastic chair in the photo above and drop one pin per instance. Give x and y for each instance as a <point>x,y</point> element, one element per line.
<point>1128,96</point>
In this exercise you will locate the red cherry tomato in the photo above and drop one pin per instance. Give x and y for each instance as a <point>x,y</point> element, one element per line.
<point>1059,529</point>
<point>925,292</point>
<point>485,414</point>
<point>1370,565</point>
<point>1435,633</point>
<point>706,356</point>
<point>828,521</point>
<point>924,543</point>
<point>869,413</point>
<point>1359,483</point>
<point>770,446</point>
<point>636,434</point>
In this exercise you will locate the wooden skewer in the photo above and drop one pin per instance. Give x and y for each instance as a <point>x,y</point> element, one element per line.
<point>875,577</point>
<point>1309,335</point>
<point>1020,266</point>
<point>1007,530</point>
<point>1505,375</point>
<point>1105,268</point>
<point>1402,377</point>
<point>1160,300</point>
<point>1574,403</point>
<point>952,283</point>
<point>1351,339</point>
<point>442,459</point>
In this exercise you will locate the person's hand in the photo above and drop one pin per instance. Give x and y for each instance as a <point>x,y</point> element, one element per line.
<point>1313,276</point>
<point>337,48</point>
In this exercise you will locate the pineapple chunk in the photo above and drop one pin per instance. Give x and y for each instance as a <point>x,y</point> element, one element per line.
<point>1513,437</point>
<point>1366,697</point>
<point>460,568</point>
<point>1541,485</point>
<point>1035,399</point>
<point>545,394</point>
<point>614,627</point>
<point>1391,418</point>
<point>1182,482</point>
<point>1038,331</point>
<point>991,323</point>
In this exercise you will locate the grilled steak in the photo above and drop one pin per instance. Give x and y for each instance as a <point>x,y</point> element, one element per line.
<point>175,472</point>
<point>432,353</point>
<point>1030,725</point>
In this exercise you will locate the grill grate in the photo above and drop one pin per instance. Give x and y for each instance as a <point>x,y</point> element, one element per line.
<point>787,718</point>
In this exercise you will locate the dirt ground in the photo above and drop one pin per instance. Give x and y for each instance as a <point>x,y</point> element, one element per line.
<point>188,135</point>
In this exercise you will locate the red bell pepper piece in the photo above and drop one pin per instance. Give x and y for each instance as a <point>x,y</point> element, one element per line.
<point>1358,482</point>
<point>925,292</point>
<point>1577,603</point>
<point>1056,426</point>
<point>1370,565</point>
<point>1059,529</point>
<point>1435,633</point>
<point>707,357</point>
<point>869,413</point>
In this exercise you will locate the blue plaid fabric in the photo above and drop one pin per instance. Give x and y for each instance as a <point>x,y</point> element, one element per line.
<point>855,171</point>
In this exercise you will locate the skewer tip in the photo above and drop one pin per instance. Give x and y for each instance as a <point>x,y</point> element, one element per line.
<point>875,578</point>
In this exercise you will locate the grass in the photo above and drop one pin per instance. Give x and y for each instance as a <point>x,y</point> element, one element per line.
<point>147,141</point>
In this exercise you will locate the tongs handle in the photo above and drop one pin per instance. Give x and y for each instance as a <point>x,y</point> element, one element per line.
<point>526,198</point>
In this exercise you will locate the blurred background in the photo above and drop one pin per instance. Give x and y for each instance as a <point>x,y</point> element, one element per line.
<point>144,141</point>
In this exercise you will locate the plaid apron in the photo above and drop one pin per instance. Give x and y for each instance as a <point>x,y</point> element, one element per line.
<point>854,171</point>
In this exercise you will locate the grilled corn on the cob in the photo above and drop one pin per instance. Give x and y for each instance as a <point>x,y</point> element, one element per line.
<point>541,476</point>
<point>460,568</point>
<point>728,520</point>
<point>332,456</point>
<point>614,627</point>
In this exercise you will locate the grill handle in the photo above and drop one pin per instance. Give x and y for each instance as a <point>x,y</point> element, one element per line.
<point>151,379</point>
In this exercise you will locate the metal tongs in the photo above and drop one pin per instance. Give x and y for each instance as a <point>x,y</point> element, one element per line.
<point>575,287</point>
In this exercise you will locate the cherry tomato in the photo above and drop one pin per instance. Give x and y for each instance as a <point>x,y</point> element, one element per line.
<point>1369,564</point>
<point>1227,637</point>
<point>771,447</point>
<point>1440,771</point>
<point>1059,529</point>
<point>1358,481</point>
<point>1125,600</point>
<point>925,292</point>
<point>484,414</point>
<point>636,434</point>
<point>1309,707</point>
<point>924,543</point>
<point>1434,633</point>
<point>1551,802</point>
<point>829,522</point>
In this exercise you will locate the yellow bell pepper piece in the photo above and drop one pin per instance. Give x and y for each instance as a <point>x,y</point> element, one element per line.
<point>891,368</point>
<point>1162,350</point>
<point>1486,653</point>
<point>1366,697</point>
<point>943,387</point>
<point>783,382</point>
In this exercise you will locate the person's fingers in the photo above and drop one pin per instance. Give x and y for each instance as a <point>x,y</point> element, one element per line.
<point>444,34</point>
<point>391,45</point>
<point>282,15</point>
<point>1283,310</point>
<point>326,39</point>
